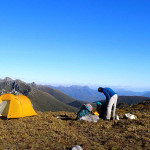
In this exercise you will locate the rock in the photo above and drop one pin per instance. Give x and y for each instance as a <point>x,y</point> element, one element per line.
<point>117,117</point>
<point>129,116</point>
<point>77,147</point>
<point>33,84</point>
<point>90,118</point>
<point>21,87</point>
<point>7,79</point>
<point>16,87</point>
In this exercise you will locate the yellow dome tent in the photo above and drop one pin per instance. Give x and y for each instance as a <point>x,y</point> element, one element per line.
<point>15,106</point>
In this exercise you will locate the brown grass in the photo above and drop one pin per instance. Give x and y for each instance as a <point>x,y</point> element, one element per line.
<point>45,131</point>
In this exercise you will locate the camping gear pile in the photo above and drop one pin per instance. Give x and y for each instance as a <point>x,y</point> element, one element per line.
<point>85,110</point>
<point>86,113</point>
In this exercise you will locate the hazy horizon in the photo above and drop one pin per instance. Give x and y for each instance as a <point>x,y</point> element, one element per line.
<point>125,88</point>
<point>92,86</point>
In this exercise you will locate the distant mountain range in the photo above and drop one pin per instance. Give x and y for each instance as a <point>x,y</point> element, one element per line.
<point>48,98</point>
<point>83,93</point>
<point>87,94</point>
<point>147,94</point>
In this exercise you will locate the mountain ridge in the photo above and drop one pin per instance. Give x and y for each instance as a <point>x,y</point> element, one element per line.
<point>42,101</point>
<point>45,98</point>
<point>87,94</point>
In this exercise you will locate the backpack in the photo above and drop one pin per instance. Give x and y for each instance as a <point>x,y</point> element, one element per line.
<point>85,110</point>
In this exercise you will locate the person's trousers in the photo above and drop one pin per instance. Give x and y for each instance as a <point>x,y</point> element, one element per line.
<point>112,103</point>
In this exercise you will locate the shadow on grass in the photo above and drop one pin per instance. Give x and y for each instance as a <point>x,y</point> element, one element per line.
<point>3,118</point>
<point>65,117</point>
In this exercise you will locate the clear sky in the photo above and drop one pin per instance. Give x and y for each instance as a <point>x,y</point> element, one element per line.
<point>87,42</point>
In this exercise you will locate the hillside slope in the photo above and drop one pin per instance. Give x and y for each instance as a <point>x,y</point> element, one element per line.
<point>131,99</point>
<point>41,101</point>
<point>62,97</point>
<point>48,131</point>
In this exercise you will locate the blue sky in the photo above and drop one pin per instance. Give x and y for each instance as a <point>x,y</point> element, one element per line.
<point>87,42</point>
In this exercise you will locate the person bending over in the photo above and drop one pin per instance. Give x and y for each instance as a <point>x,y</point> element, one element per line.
<point>111,101</point>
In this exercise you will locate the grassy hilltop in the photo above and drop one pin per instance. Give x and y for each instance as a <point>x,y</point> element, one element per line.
<point>45,131</point>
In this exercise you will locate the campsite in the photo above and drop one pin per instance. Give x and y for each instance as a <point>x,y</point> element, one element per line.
<point>23,126</point>
<point>61,131</point>
<point>75,75</point>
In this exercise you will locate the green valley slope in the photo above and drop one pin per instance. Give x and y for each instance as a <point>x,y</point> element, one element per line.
<point>62,97</point>
<point>43,101</point>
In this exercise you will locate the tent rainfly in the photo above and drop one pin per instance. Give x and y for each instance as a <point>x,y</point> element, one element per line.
<point>15,106</point>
